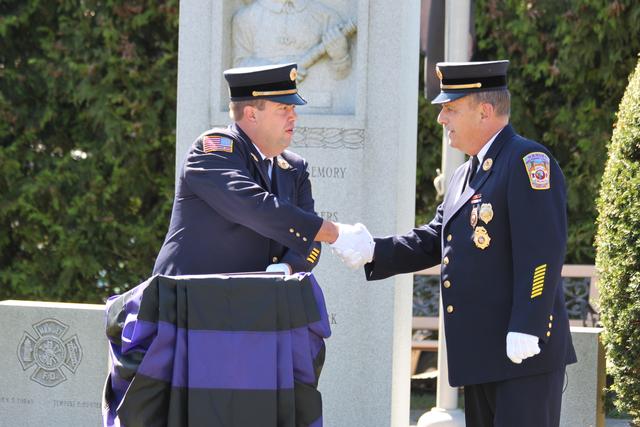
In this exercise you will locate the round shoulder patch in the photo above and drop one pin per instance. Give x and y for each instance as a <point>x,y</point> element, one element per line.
<point>538,170</point>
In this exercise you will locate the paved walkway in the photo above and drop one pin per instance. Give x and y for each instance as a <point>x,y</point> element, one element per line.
<point>609,422</point>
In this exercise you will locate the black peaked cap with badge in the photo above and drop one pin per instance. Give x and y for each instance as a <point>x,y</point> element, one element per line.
<point>273,82</point>
<point>458,79</point>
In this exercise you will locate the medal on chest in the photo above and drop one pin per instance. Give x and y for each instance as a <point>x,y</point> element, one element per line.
<point>481,237</point>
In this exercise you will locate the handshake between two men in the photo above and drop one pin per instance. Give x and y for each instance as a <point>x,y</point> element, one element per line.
<point>355,247</point>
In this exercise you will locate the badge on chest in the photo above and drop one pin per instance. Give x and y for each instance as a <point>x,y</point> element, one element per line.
<point>483,213</point>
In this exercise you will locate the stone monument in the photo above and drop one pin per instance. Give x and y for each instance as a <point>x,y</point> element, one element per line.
<point>54,364</point>
<point>359,63</point>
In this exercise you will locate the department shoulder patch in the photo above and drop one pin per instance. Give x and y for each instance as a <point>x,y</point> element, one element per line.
<point>211,143</point>
<point>538,170</point>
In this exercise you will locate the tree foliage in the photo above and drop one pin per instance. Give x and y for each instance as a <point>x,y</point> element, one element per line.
<point>618,252</point>
<point>569,63</point>
<point>87,126</point>
<point>87,139</point>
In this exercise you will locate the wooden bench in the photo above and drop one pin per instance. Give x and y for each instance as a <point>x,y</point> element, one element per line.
<point>431,322</point>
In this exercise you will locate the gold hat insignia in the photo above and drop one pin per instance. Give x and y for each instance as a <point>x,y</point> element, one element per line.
<point>293,74</point>
<point>439,73</point>
<point>486,165</point>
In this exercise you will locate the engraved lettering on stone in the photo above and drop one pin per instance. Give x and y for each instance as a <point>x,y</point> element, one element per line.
<point>328,172</point>
<point>302,31</point>
<point>333,319</point>
<point>329,138</point>
<point>49,352</point>
<point>329,216</point>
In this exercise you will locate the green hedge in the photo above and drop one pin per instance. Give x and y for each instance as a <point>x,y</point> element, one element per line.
<point>87,127</point>
<point>570,61</point>
<point>87,140</point>
<point>618,252</point>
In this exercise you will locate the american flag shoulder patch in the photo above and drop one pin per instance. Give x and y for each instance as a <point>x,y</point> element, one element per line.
<point>211,143</point>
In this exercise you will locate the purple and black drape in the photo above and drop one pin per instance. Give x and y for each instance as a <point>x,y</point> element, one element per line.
<point>218,350</point>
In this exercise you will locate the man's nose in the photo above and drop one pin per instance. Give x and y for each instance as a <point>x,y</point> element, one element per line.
<point>441,117</point>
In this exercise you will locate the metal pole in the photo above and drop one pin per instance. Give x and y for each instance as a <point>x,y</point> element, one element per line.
<point>457,47</point>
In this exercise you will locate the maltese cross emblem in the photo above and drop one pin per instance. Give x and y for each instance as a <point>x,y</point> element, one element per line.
<point>49,352</point>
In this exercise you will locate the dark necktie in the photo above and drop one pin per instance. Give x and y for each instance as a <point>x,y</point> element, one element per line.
<point>474,168</point>
<point>471,172</point>
<point>267,165</point>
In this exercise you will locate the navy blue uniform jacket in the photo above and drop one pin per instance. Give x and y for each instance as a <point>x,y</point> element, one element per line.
<point>514,282</point>
<point>228,216</point>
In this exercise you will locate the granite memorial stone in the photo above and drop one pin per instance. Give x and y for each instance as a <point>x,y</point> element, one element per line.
<point>582,401</point>
<point>54,362</point>
<point>360,64</point>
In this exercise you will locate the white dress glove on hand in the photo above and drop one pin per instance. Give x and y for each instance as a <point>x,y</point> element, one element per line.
<point>354,245</point>
<point>521,346</point>
<point>279,268</point>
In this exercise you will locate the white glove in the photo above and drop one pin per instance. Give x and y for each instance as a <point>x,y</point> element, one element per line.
<point>521,346</point>
<point>354,245</point>
<point>279,268</point>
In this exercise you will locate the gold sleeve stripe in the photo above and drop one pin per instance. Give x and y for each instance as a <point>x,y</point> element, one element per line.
<point>538,280</point>
<point>311,260</point>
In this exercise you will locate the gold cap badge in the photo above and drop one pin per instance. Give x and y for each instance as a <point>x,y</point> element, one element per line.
<point>293,74</point>
<point>486,165</point>
<point>439,73</point>
<point>486,212</point>
<point>481,237</point>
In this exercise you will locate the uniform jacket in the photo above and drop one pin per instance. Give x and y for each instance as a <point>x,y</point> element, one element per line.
<point>501,246</point>
<point>228,216</point>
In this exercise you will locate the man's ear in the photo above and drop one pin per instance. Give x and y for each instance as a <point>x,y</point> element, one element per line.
<point>486,110</point>
<point>250,113</point>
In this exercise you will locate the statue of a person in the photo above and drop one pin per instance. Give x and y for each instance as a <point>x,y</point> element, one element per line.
<point>276,31</point>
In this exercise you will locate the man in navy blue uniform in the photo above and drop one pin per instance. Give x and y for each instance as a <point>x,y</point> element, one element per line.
<point>500,236</point>
<point>243,202</point>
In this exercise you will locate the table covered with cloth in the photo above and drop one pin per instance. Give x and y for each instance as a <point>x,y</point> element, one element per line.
<point>216,350</point>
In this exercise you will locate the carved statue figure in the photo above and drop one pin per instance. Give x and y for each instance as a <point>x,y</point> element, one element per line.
<point>301,31</point>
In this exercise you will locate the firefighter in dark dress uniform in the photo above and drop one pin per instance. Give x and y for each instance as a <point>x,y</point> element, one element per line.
<point>500,237</point>
<point>243,202</point>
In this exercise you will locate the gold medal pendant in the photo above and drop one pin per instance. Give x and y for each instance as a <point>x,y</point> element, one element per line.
<point>481,237</point>
<point>486,212</point>
<point>473,220</point>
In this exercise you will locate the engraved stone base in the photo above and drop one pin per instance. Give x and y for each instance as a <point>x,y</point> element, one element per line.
<point>54,363</point>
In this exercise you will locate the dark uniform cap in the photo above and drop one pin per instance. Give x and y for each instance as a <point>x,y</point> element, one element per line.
<point>458,79</point>
<point>273,82</point>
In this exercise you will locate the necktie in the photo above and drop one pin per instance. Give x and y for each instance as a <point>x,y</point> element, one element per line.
<point>474,168</point>
<point>267,165</point>
<point>471,172</point>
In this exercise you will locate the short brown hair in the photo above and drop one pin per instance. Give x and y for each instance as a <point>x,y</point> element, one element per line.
<point>236,108</point>
<point>500,99</point>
